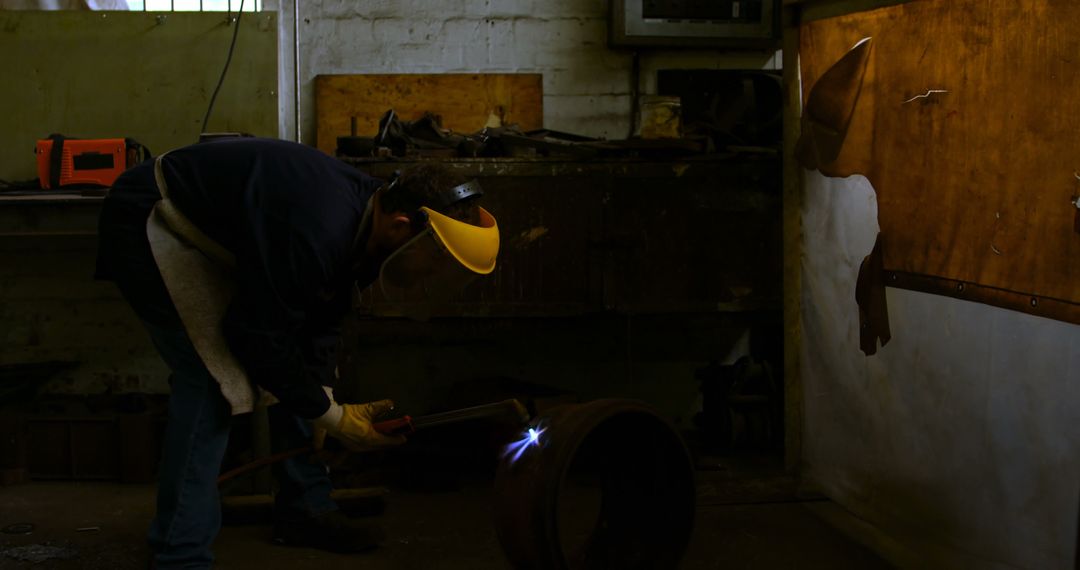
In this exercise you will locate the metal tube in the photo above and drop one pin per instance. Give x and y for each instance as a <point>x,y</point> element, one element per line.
<point>612,473</point>
<point>510,409</point>
<point>296,68</point>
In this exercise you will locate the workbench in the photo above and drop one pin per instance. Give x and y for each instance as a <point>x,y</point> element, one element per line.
<point>625,236</point>
<point>616,278</point>
<point>49,214</point>
<point>694,235</point>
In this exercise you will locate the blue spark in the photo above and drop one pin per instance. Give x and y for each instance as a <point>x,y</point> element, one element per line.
<point>517,449</point>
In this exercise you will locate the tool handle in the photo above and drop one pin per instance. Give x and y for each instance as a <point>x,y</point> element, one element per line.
<point>397,426</point>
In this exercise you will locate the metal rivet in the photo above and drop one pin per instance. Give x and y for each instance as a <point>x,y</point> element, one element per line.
<point>1034,302</point>
<point>960,287</point>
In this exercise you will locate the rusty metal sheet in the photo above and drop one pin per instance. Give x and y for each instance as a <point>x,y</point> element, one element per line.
<point>545,264</point>
<point>694,235</point>
<point>963,127</point>
<point>689,244</point>
<point>625,236</point>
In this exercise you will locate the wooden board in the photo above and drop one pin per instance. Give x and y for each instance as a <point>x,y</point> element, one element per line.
<point>976,179</point>
<point>464,101</point>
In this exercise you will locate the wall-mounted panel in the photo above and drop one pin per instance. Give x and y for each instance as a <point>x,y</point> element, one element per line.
<point>964,125</point>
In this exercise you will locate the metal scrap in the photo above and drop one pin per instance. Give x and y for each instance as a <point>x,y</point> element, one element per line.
<point>18,528</point>
<point>425,137</point>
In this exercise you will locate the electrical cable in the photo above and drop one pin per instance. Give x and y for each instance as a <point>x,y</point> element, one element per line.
<point>262,462</point>
<point>228,60</point>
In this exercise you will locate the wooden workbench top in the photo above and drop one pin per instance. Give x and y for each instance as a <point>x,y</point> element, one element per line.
<point>49,198</point>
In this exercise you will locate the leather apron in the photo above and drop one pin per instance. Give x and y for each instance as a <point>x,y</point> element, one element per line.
<point>198,273</point>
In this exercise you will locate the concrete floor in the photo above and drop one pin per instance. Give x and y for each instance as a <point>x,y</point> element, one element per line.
<point>426,531</point>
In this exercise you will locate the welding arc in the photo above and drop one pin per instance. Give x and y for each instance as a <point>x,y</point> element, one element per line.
<point>609,484</point>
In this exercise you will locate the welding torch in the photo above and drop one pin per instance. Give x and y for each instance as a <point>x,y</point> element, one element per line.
<point>507,410</point>
<point>405,425</point>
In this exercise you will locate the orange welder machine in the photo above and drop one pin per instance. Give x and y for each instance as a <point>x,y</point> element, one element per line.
<point>67,162</point>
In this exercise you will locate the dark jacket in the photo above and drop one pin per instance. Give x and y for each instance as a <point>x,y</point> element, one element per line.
<point>289,214</point>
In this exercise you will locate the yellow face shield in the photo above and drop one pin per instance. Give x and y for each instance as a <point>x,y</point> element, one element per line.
<point>438,262</point>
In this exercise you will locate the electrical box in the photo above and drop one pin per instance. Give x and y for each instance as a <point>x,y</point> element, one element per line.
<point>738,24</point>
<point>73,162</point>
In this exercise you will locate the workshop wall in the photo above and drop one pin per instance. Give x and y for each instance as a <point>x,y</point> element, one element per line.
<point>959,437</point>
<point>959,440</point>
<point>93,74</point>
<point>130,74</point>
<point>587,89</point>
<point>587,86</point>
<point>51,310</point>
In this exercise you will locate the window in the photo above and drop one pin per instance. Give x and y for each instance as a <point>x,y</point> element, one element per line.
<point>193,5</point>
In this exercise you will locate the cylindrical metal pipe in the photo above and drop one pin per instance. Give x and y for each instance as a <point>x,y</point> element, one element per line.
<point>296,68</point>
<point>606,484</point>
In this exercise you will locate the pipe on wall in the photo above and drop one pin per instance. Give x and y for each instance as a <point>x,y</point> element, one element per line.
<point>296,70</point>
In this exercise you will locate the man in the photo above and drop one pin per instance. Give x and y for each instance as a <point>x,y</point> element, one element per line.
<point>239,256</point>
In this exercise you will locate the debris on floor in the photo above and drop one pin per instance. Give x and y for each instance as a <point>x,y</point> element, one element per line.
<point>37,553</point>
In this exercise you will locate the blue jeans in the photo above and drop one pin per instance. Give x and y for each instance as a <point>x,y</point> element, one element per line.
<point>188,507</point>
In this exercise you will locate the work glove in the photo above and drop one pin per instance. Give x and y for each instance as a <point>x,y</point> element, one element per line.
<point>352,425</point>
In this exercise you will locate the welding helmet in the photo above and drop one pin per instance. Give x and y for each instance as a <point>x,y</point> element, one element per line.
<point>443,256</point>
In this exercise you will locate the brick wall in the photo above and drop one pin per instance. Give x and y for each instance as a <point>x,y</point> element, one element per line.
<point>587,86</point>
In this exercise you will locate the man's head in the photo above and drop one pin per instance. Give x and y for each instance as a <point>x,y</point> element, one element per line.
<point>397,218</point>
<point>428,235</point>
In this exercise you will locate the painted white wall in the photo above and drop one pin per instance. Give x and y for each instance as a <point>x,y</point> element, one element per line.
<point>587,86</point>
<point>961,437</point>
